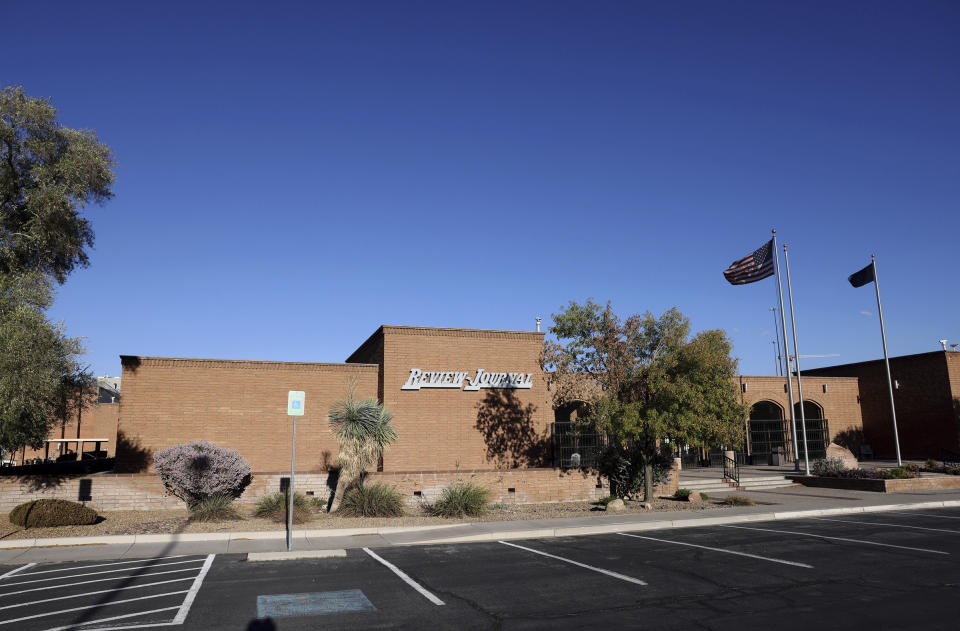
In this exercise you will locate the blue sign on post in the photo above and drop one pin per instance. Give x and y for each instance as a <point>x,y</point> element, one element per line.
<point>295,401</point>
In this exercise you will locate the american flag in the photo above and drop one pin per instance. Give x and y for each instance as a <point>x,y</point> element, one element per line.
<point>753,267</point>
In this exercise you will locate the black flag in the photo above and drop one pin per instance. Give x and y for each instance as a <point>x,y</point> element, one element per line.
<point>864,276</point>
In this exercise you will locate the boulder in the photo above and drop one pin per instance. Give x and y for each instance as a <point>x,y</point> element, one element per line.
<point>836,451</point>
<point>694,497</point>
<point>616,506</point>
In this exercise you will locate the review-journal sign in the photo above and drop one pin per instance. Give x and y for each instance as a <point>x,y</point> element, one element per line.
<point>452,379</point>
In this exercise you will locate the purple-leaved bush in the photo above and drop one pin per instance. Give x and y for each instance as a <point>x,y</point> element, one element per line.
<point>196,471</point>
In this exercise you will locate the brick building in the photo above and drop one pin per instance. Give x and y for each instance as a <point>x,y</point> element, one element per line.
<point>465,402</point>
<point>927,398</point>
<point>832,407</point>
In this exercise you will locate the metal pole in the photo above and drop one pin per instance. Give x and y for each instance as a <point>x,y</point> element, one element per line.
<point>293,462</point>
<point>776,339</point>
<point>786,357</point>
<point>886,360</point>
<point>796,351</point>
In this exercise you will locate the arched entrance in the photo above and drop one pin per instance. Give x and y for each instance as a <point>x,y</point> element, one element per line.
<point>818,431</point>
<point>768,432</point>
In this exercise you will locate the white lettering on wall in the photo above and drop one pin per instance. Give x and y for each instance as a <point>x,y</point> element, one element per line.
<point>483,379</point>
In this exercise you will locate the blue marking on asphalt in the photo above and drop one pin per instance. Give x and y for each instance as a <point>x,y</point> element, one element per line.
<point>312,604</point>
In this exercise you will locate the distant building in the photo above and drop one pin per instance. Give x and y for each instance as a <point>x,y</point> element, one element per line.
<point>927,398</point>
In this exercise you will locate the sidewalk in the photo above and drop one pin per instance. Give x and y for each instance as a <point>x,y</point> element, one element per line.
<point>786,503</point>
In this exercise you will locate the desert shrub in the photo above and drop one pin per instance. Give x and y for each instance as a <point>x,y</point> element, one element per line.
<point>372,500</point>
<point>200,470</point>
<point>274,506</point>
<point>738,500</point>
<point>317,503</point>
<point>704,496</point>
<point>603,501</point>
<point>623,467</point>
<point>214,508</point>
<point>828,467</point>
<point>913,467</point>
<point>931,464</point>
<point>951,470</point>
<point>900,473</point>
<point>462,499</point>
<point>682,494</point>
<point>44,513</point>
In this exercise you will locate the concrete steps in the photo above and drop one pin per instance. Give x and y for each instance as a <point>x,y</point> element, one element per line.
<point>747,483</point>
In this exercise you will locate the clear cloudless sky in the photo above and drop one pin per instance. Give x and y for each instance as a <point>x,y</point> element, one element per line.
<point>292,175</point>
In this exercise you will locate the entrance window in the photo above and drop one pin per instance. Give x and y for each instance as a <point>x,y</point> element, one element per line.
<point>766,411</point>
<point>810,410</point>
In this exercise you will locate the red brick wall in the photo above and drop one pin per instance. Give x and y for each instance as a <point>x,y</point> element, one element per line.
<point>99,420</point>
<point>443,429</point>
<point>953,368</point>
<point>926,414</point>
<point>241,405</point>
<point>840,404</point>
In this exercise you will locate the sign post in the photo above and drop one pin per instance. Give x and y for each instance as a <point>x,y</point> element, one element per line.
<point>295,401</point>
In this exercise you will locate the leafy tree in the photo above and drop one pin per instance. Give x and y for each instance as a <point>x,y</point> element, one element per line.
<point>48,173</point>
<point>651,380</point>
<point>37,361</point>
<point>363,431</point>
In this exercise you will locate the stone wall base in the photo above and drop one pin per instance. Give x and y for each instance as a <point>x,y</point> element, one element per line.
<point>131,491</point>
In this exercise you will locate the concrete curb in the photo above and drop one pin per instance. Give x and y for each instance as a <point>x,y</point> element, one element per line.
<point>503,534</point>
<point>214,536</point>
<point>295,554</point>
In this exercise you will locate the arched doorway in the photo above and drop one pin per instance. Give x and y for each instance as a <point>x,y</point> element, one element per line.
<point>768,432</point>
<point>817,429</point>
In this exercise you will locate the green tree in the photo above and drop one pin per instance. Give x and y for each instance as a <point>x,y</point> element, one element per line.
<point>652,381</point>
<point>363,431</point>
<point>38,362</point>
<point>48,173</point>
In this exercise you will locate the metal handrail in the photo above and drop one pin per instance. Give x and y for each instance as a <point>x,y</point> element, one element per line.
<point>731,470</point>
<point>948,455</point>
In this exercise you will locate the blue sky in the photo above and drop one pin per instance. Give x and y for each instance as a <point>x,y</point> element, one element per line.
<point>293,175</point>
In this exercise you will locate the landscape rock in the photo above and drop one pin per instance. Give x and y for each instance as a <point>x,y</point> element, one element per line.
<point>849,460</point>
<point>694,497</point>
<point>616,506</point>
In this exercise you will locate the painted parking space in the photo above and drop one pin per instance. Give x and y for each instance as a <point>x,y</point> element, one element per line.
<point>709,577</point>
<point>146,592</point>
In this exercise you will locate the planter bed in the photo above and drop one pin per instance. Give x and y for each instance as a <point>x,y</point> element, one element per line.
<point>880,486</point>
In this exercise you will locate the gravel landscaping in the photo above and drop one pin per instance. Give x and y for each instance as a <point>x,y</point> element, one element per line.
<point>177,521</point>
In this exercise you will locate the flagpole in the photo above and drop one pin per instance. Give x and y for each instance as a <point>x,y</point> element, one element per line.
<point>786,356</point>
<point>776,337</point>
<point>796,351</point>
<point>886,360</point>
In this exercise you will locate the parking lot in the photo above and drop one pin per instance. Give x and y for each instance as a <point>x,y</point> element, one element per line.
<point>876,570</point>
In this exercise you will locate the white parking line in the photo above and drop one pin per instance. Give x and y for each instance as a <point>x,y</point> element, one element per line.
<point>406,579</point>
<point>108,604</point>
<point>87,567</point>
<point>127,569</point>
<point>742,554</point>
<point>877,523</point>
<point>192,592</point>
<point>807,534</point>
<point>914,514</point>
<point>622,577</point>
<point>17,570</point>
<point>126,626</point>
<point>101,591</point>
<point>96,580</point>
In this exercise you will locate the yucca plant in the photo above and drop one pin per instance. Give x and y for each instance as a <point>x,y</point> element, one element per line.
<point>363,431</point>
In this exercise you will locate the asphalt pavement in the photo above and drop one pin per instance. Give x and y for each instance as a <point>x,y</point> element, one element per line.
<point>892,569</point>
